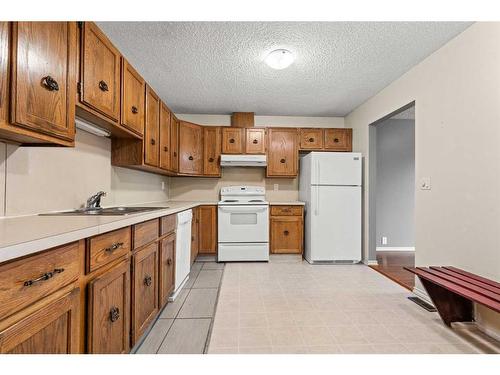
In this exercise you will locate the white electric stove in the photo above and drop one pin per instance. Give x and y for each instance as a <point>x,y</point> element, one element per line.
<point>243,224</point>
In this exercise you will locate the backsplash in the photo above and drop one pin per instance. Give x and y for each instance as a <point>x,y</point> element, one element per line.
<point>41,179</point>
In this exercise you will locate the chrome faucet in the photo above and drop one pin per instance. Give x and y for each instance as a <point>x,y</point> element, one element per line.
<point>94,202</point>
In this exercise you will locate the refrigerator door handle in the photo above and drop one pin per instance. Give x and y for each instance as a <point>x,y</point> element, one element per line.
<point>316,193</point>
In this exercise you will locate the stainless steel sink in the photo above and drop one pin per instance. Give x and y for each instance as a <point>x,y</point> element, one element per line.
<point>109,211</point>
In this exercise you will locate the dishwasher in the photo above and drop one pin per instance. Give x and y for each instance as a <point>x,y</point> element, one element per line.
<point>182,251</point>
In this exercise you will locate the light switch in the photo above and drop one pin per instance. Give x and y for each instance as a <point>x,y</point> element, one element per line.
<point>425,183</point>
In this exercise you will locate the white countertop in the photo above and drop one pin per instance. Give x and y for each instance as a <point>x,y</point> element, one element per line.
<point>287,203</point>
<point>24,235</point>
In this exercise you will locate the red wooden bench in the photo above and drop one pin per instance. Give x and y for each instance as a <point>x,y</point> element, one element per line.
<point>453,292</point>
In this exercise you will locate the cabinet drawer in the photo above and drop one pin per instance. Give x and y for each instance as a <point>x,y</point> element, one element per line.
<point>286,210</point>
<point>167,224</point>
<point>106,247</point>
<point>286,235</point>
<point>27,280</point>
<point>144,233</point>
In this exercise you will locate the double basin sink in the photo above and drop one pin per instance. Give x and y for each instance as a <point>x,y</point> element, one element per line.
<point>109,211</point>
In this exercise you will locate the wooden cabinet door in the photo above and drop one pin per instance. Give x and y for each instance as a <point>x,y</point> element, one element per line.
<point>207,229</point>
<point>44,77</point>
<point>211,150</point>
<point>4,70</point>
<point>152,129</point>
<point>282,152</point>
<point>99,72</point>
<point>174,143</point>
<point>190,148</point>
<point>109,311</point>
<point>167,268</point>
<point>165,130</point>
<point>233,140</point>
<point>311,139</point>
<point>132,95</point>
<point>195,234</point>
<point>286,235</point>
<point>255,141</point>
<point>52,329</point>
<point>144,289</point>
<point>338,139</point>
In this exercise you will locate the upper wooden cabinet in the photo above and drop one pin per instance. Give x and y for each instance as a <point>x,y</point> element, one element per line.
<point>338,139</point>
<point>152,129</point>
<point>233,140</point>
<point>255,141</point>
<point>190,148</point>
<point>174,143</point>
<point>165,131</point>
<point>282,152</point>
<point>311,139</point>
<point>207,231</point>
<point>99,72</point>
<point>40,60</point>
<point>132,98</point>
<point>211,150</point>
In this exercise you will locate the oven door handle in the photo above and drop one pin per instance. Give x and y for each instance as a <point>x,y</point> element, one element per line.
<point>238,210</point>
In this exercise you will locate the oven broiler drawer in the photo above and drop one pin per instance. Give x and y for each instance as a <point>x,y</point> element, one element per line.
<point>235,252</point>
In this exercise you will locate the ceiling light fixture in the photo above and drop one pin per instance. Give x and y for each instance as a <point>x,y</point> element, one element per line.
<point>279,59</point>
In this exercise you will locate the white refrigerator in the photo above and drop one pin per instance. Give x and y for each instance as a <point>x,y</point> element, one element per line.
<point>330,185</point>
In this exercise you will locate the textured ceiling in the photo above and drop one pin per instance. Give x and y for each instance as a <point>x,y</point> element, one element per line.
<point>217,67</point>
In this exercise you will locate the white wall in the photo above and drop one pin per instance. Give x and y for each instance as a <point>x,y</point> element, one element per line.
<point>40,179</point>
<point>457,94</point>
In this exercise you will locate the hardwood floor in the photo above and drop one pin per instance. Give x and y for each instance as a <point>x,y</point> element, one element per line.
<point>391,263</point>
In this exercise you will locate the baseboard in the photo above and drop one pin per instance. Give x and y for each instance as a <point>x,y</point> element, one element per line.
<point>370,262</point>
<point>422,294</point>
<point>395,249</point>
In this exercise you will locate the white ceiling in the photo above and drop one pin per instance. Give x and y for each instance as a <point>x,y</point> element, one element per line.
<point>217,67</point>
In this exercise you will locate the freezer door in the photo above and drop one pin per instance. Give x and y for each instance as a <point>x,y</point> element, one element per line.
<point>335,226</point>
<point>336,168</point>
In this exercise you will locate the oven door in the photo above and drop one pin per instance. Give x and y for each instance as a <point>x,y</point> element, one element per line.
<point>243,223</point>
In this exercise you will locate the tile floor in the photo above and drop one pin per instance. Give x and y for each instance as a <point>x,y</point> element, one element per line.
<point>289,306</point>
<point>184,325</point>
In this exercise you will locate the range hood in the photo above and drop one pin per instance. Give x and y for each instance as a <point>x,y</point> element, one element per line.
<point>243,160</point>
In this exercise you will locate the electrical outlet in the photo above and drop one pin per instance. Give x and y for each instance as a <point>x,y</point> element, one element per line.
<point>163,185</point>
<point>276,187</point>
<point>384,240</point>
<point>425,183</point>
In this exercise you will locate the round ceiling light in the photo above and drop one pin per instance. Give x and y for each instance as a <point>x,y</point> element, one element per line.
<point>279,59</point>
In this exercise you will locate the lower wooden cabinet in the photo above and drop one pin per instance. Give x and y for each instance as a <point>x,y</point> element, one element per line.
<point>144,289</point>
<point>286,230</point>
<point>108,328</point>
<point>54,328</point>
<point>195,234</point>
<point>207,231</point>
<point>167,268</point>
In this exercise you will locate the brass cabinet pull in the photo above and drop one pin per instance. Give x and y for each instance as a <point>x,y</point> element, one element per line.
<point>103,86</point>
<point>210,160</point>
<point>311,139</point>
<point>286,210</point>
<point>282,161</point>
<point>336,140</point>
<point>50,83</point>
<point>286,233</point>
<point>113,247</point>
<point>45,276</point>
<point>165,148</point>
<point>114,314</point>
<point>255,141</point>
<point>231,140</point>
<point>148,280</point>
<point>134,109</point>
<point>169,261</point>
<point>153,142</point>
<point>190,157</point>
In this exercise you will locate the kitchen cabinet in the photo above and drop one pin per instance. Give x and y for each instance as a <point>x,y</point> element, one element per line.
<point>144,289</point>
<point>233,140</point>
<point>311,139</point>
<point>190,148</point>
<point>174,143</point>
<point>109,311</point>
<point>207,236</point>
<point>52,328</point>
<point>145,232</point>
<point>107,247</point>
<point>38,62</point>
<point>286,229</point>
<point>167,268</point>
<point>282,153</point>
<point>195,234</point>
<point>165,131</point>
<point>152,129</point>
<point>255,141</point>
<point>132,98</point>
<point>338,139</point>
<point>211,151</point>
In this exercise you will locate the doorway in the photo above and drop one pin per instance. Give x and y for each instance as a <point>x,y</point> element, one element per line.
<point>392,195</point>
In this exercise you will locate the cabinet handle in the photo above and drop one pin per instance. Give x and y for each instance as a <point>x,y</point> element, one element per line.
<point>134,109</point>
<point>153,142</point>
<point>175,153</point>
<point>113,247</point>
<point>45,276</point>
<point>190,157</point>
<point>336,140</point>
<point>286,233</point>
<point>210,160</point>
<point>287,210</point>
<point>114,314</point>
<point>231,140</point>
<point>165,148</point>
<point>169,261</point>
<point>103,86</point>
<point>50,83</point>
<point>148,280</point>
<point>255,141</point>
<point>311,139</point>
<point>282,161</point>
